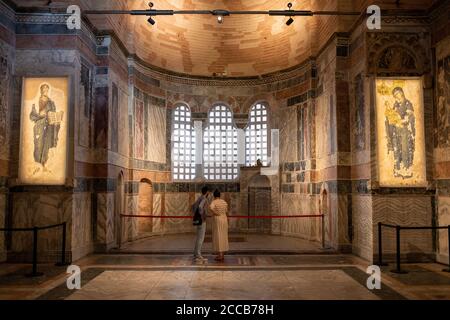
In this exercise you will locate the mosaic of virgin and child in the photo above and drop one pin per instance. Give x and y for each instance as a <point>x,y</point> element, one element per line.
<point>401,133</point>
<point>47,123</point>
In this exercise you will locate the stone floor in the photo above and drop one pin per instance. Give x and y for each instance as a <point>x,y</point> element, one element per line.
<point>239,243</point>
<point>247,277</point>
<point>161,268</point>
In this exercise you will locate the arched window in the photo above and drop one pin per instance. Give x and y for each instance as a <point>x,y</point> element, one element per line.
<point>220,145</point>
<point>183,144</point>
<point>256,136</point>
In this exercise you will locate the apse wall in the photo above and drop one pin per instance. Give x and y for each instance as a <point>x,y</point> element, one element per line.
<point>282,93</point>
<point>119,137</point>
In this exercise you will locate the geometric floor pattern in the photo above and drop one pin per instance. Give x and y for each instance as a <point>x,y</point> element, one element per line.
<point>240,277</point>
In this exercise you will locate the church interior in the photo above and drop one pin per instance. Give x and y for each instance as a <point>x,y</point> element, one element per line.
<point>320,130</point>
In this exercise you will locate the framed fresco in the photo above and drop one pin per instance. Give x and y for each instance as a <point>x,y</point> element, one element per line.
<point>43,132</point>
<point>400,132</point>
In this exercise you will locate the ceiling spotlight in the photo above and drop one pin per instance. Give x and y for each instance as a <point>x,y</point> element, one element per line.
<point>220,14</point>
<point>151,21</point>
<point>289,22</point>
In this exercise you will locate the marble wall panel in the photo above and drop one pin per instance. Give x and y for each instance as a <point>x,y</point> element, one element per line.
<point>298,204</point>
<point>139,129</point>
<point>157,135</point>
<point>6,65</point>
<point>124,141</point>
<point>158,224</point>
<point>443,220</point>
<point>343,220</point>
<point>106,218</point>
<point>2,225</point>
<point>288,135</point>
<point>404,211</point>
<point>177,204</point>
<point>82,228</point>
<point>443,94</point>
<point>34,209</point>
<point>129,224</point>
<point>85,114</point>
<point>362,226</point>
<point>114,119</point>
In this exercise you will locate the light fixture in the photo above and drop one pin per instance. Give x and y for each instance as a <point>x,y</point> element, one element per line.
<point>220,14</point>
<point>290,20</point>
<point>150,19</point>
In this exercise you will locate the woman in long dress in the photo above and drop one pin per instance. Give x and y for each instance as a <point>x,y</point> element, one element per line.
<point>219,209</point>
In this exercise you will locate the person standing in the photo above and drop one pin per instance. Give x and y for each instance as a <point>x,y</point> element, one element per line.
<point>45,130</point>
<point>219,209</point>
<point>202,205</point>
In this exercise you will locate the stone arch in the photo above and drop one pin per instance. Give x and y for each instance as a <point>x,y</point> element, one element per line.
<point>145,207</point>
<point>267,98</point>
<point>397,54</point>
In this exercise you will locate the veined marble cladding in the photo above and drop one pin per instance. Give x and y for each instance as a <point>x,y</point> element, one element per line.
<point>2,224</point>
<point>442,146</point>
<point>362,226</point>
<point>6,67</point>
<point>443,204</point>
<point>82,226</point>
<point>288,134</point>
<point>404,211</point>
<point>41,209</point>
<point>105,220</point>
<point>124,143</point>
<point>158,224</point>
<point>298,204</point>
<point>156,151</point>
<point>178,204</point>
<point>129,225</point>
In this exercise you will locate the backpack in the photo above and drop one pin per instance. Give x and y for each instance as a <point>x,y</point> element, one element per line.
<point>197,219</point>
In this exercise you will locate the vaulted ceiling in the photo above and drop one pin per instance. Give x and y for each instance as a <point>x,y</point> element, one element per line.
<point>244,45</point>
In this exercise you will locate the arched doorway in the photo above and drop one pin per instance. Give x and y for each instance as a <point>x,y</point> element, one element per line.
<point>259,204</point>
<point>145,207</point>
<point>119,209</point>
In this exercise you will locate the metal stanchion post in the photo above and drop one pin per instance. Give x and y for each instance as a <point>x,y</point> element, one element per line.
<point>398,269</point>
<point>63,248</point>
<point>34,273</point>
<point>448,238</point>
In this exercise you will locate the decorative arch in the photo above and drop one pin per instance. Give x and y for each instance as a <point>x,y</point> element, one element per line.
<point>267,98</point>
<point>397,54</point>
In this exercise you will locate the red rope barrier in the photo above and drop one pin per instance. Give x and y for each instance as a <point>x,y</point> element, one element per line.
<point>237,217</point>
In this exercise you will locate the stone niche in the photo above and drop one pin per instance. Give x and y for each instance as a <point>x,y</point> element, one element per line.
<point>259,196</point>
